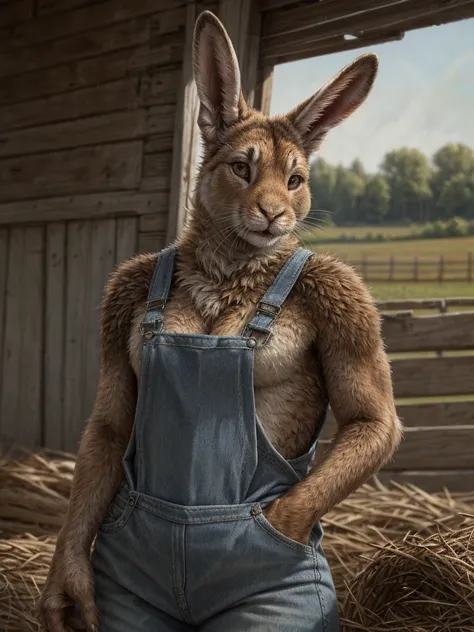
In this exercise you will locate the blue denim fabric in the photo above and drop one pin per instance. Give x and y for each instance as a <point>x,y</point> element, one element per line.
<point>185,545</point>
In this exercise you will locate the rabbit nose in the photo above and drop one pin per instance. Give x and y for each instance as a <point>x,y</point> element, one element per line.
<point>271,213</point>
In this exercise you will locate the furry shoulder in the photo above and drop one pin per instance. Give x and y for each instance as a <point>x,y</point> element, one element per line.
<point>340,301</point>
<point>125,292</point>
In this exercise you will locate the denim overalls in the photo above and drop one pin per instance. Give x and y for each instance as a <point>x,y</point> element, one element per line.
<point>185,545</point>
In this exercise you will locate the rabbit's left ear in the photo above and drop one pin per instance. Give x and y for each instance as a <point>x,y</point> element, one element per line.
<point>335,101</point>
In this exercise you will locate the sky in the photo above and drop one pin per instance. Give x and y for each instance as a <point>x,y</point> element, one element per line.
<point>423,96</point>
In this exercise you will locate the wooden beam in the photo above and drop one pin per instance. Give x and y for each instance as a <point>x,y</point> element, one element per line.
<point>88,206</point>
<point>437,332</point>
<point>455,481</point>
<point>422,416</point>
<point>318,26</point>
<point>440,304</point>
<point>183,168</point>
<point>433,377</point>
<point>263,91</point>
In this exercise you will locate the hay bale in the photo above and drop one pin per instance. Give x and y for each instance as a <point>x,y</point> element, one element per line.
<point>24,564</point>
<point>417,584</point>
<point>386,580</point>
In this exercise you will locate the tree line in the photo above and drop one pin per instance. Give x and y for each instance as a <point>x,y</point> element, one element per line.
<point>408,187</point>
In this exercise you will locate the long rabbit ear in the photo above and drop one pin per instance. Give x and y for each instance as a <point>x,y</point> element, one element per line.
<point>217,75</point>
<point>335,101</point>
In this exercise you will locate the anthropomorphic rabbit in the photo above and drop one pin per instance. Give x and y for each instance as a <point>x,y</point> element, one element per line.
<point>220,356</point>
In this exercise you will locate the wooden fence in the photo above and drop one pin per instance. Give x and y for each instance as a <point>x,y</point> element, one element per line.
<point>432,357</point>
<point>416,269</point>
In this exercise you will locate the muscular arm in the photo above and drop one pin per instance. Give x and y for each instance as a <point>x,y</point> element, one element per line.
<point>358,381</point>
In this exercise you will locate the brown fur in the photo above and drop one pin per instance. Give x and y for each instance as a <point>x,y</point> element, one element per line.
<point>326,345</point>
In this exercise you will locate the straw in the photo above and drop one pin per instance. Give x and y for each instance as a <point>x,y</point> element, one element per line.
<point>401,559</point>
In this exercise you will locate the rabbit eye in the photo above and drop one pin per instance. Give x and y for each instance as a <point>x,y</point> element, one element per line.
<point>242,170</point>
<point>294,182</point>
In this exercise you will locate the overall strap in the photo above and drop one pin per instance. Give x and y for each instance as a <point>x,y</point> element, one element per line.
<point>158,293</point>
<point>272,302</point>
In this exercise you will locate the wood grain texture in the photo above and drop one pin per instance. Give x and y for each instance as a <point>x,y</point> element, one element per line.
<point>440,304</point>
<point>54,332</point>
<point>79,269</point>
<point>421,415</point>
<point>445,447</point>
<point>151,242</point>
<point>103,258</point>
<point>82,170</point>
<point>15,12</point>
<point>429,333</point>
<point>79,16</point>
<point>87,206</point>
<point>107,98</point>
<point>156,172</point>
<point>126,238</point>
<point>93,130</point>
<point>21,406</point>
<point>183,165</point>
<point>433,377</point>
<point>432,481</point>
<point>4,250</point>
<point>99,71</point>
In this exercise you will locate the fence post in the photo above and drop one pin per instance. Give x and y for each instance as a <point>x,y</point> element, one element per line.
<point>364,268</point>
<point>441,269</point>
<point>469,267</point>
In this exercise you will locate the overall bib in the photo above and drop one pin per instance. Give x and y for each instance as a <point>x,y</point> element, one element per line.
<point>185,545</point>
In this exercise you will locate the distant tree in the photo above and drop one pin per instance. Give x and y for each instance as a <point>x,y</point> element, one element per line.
<point>357,167</point>
<point>375,204</point>
<point>457,196</point>
<point>408,175</point>
<point>322,182</point>
<point>348,192</point>
<point>453,167</point>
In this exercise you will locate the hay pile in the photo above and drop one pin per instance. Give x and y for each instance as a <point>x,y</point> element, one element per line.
<point>402,559</point>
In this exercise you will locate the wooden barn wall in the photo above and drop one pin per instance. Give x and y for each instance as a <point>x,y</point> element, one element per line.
<point>88,100</point>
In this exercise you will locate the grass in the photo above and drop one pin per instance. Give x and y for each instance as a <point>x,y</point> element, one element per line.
<point>394,290</point>
<point>334,232</point>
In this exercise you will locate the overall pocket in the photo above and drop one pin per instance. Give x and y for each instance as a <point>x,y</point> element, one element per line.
<point>119,511</point>
<point>282,539</point>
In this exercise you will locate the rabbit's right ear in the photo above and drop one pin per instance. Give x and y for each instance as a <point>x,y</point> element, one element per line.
<point>217,75</point>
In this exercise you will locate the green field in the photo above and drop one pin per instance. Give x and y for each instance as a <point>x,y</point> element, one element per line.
<point>455,250</point>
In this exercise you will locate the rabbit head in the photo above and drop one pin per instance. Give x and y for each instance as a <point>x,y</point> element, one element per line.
<point>253,181</point>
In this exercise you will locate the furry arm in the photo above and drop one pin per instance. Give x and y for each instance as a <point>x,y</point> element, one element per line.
<point>359,386</point>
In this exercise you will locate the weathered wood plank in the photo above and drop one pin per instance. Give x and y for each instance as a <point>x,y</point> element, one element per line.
<point>445,447</point>
<point>156,223</point>
<point>440,304</point>
<point>15,12</point>
<point>160,87</point>
<point>430,415</point>
<point>433,377</point>
<point>263,91</point>
<point>151,242</point>
<point>21,406</point>
<point>158,143</point>
<point>183,166</point>
<point>156,173</point>
<point>161,118</point>
<point>98,71</point>
<point>94,130</point>
<point>126,238</point>
<point>432,481</point>
<point>54,335</point>
<point>79,271</point>
<point>77,16</point>
<point>88,206</point>
<point>117,95</point>
<point>100,168</point>
<point>429,333</point>
<point>156,33</point>
<point>4,250</point>
<point>103,258</point>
